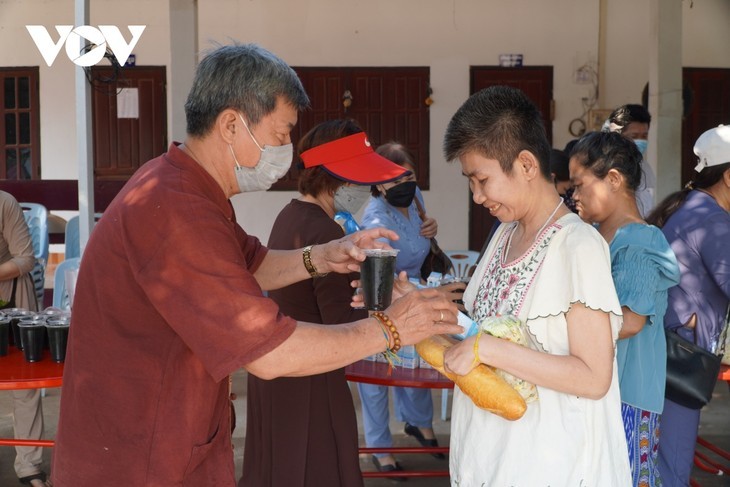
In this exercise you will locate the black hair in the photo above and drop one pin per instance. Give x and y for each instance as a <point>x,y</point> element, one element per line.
<point>559,165</point>
<point>569,147</point>
<point>626,114</point>
<point>498,123</point>
<point>602,151</point>
<point>316,180</point>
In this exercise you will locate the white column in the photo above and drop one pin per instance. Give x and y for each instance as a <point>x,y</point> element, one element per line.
<point>183,60</point>
<point>665,94</point>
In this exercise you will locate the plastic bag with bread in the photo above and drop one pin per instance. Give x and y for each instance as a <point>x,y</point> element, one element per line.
<point>486,389</point>
<point>509,327</point>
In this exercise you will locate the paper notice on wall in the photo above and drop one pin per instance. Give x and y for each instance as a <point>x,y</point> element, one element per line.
<point>128,103</point>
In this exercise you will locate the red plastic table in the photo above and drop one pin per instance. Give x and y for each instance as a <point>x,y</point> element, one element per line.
<point>702,460</point>
<point>379,373</point>
<point>16,373</point>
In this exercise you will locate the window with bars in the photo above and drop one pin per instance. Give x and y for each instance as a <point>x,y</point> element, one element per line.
<point>19,124</point>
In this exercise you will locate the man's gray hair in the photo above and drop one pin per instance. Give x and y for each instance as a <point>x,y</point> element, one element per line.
<point>245,77</point>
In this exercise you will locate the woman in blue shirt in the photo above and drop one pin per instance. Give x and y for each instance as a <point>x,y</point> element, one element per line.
<point>606,170</point>
<point>696,223</point>
<point>392,207</point>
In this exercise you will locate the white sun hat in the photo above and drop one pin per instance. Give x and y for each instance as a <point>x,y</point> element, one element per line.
<point>713,147</point>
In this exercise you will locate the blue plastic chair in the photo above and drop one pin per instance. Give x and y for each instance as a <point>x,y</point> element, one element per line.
<point>36,216</point>
<point>60,293</point>
<point>464,261</point>
<point>73,245</point>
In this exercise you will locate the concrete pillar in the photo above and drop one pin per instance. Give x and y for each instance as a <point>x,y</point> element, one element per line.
<point>183,60</point>
<point>84,144</point>
<point>665,94</point>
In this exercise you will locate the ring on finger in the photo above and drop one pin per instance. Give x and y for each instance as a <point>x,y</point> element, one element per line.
<point>441,316</point>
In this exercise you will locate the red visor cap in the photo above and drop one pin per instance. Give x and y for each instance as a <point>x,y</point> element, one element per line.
<point>353,159</point>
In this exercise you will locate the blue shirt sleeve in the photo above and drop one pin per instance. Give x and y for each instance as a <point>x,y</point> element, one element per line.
<point>643,266</point>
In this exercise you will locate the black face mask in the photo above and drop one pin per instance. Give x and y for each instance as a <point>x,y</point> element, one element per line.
<point>401,195</point>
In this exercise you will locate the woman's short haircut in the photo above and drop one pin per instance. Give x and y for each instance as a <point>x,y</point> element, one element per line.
<point>600,152</point>
<point>498,123</point>
<point>315,180</point>
<point>244,77</point>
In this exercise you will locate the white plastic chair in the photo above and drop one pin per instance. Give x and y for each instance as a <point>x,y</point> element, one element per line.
<point>71,237</point>
<point>36,216</point>
<point>464,262</point>
<point>61,298</point>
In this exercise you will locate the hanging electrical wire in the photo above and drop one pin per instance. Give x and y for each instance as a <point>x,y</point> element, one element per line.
<point>587,73</point>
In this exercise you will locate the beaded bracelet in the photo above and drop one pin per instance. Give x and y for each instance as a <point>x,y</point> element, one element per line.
<point>385,333</point>
<point>477,360</point>
<point>388,323</point>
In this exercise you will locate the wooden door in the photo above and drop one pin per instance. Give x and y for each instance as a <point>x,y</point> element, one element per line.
<point>537,83</point>
<point>708,106</point>
<point>390,107</point>
<point>129,113</point>
<point>389,103</point>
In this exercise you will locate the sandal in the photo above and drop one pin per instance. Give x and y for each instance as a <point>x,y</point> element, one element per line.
<point>30,480</point>
<point>415,432</point>
<point>389,468</point>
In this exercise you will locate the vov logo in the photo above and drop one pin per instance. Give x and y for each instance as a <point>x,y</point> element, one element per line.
<point>105,35</point>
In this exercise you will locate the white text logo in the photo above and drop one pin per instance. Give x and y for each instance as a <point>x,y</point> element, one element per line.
<point>105,35</point>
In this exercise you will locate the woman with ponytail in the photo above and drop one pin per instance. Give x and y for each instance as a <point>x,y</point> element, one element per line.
<point>696,223</point>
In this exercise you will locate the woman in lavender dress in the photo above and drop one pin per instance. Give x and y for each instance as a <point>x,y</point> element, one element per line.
<point>697,225</point>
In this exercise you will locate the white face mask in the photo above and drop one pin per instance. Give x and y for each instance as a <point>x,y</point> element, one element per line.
<point>273,164</point>
<point>351,198</point>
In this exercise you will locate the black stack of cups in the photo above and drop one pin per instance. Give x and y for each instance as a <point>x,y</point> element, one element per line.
<point>31,332</point>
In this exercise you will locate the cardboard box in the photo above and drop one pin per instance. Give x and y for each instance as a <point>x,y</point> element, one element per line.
<point>408,356</point>
<point>423,364</point>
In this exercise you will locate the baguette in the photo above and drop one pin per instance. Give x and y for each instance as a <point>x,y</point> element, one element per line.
<point>485,388</point>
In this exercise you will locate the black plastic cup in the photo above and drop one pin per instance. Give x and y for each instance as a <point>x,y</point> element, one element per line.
<point>377,274</point>
<point>52,312</point>
<point>32,334</point>
<point>4,335</point>
<point>57,329</point>
<point>17,314</point>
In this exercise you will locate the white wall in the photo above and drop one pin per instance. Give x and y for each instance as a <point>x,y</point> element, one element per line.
<point>447,36</point>
<point>58,129</point>
<point>706,34</point>
<point>625,67</point>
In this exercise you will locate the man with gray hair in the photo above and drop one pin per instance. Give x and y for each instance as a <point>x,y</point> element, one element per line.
<point>170,294</point>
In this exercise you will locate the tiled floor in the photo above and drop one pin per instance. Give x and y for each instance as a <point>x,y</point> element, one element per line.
<point>715,427</point>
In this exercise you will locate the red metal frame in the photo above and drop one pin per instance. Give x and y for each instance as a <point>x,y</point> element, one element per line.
<point>407,473</point>
<point>382,374</point>
<point>701,460</point>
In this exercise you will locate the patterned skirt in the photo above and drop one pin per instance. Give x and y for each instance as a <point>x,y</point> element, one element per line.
<point>642,436</point>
